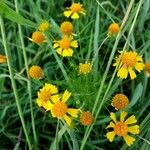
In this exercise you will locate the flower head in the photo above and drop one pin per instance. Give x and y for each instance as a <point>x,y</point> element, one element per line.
<point>113,29</point>
<point>47,94</point>
<point>147,68</point>
<point>66,28</point>
<point>84,68</point>
<point>86,118</point>
<point>38,37</point>
<point>123,127</point>
<point>36,72</point>
<point>120,101</point>
<point>60,110</point>
<point>129,62</point>
<point>2,59</point>
<point>65,45</point>
<point>74,10</point>
<point>43,26</point>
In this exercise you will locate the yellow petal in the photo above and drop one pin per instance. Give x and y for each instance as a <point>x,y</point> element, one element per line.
<point>122,116</point>
<point>73,112</point>
<point>82,12</point>
<point>75,16</point>
<point>111,125</point>
<point>52,113</point>
<point>129,140</point>
<point>39,102</point>
<point>67,119</point>
<point>53,89</point>
<point>48,106</point>
<point>67,52</point>
<point>134,129</point>
<point>122,73</point>
<point>67,13</point>
<point>131,120</point>
<point>139,67</point>
<point>59,51</point>
<point>66,96</point>
<point>55,98</point>
<point>74,44</point>
<point>55,45</point>
<point>139,58</point>
<point>110,136</point>
<point>113,117</point>
<point>132,73</point>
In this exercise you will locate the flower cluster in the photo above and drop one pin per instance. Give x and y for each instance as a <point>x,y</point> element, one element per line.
<point>122,128</point>
<point>66,45</point>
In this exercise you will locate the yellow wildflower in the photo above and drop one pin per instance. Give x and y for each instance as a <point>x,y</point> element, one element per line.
<point>2,59</point>
<point>74,10</point>
<point>47,94</point>
<point>86,118</point>
<point>65,45</point>
<point>60,110</point>
<point>129,62</point>
<point>84,68</point>
<point>38,37</point>
<point>147,68</point>
<point>113,29</point>
<point>66,28</point>
<point>36,72</point>
<point>120,101</point>
<point>122,128</point>
<point>43,26</point>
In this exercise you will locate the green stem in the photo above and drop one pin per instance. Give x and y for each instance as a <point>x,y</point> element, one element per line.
<point>14,83</point>
<point>27,70</point>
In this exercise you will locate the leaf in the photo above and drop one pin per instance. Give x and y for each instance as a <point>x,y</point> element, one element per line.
<point>10,14</point>
<point>60,134</point>
<point>136,95</point>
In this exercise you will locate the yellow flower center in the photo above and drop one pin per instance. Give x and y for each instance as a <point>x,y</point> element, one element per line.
<point>2,58</point>
<point>84,68</point>
<point>114,28</point>
<point>59,109</point>
<point>121,129</point>
<point>43,26</point>
<point>129,59</point>
<point>36,72</point>
<point>75,7</point>
<point>65,43</point>
<point>147,67</point>
<point>38,37</point>
<point>120,101</point>
<point>86,118</point>
<point>45,95</point>
<point>66,27</point>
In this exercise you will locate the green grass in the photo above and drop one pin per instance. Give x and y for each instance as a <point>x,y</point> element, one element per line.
<point>23,125</point>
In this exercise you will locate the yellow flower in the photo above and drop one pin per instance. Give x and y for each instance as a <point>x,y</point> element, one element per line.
<point>36,72</point>
<point>43,26</point>
<point>38,37</point>
<point>65,45</point>
<point>2,59</point>
<point>122,128</point>
<point>47,94</point>
<point>120,101</point>
<point>66,28</point>
<point>129,62</point>
<point>60,110</point>
<point>147,68</point>
<point>84,68</point>
<point>74,10</point>
<point>113,29</point>
<point>86,118</point>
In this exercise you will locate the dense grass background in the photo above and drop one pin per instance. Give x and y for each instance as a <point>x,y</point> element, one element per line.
<point>91,30</point>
